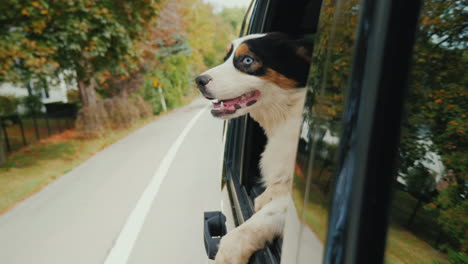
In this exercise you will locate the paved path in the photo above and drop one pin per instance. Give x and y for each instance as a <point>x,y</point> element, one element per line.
<point>80,217</point>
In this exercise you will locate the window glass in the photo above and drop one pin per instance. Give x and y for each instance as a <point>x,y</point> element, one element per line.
<point>319,138</point>
<point>428,222</point>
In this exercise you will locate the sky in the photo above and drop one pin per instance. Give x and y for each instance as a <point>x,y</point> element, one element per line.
<point>219,4</point>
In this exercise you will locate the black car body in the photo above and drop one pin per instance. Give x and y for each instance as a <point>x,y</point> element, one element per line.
<point>365,134</point>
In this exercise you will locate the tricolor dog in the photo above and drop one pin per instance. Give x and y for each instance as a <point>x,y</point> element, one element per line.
<point>263,75</point>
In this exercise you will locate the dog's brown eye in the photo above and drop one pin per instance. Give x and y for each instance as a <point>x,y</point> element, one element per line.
<point>247,60</point>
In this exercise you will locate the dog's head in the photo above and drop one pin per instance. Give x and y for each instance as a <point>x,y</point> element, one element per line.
<point>257,70</point>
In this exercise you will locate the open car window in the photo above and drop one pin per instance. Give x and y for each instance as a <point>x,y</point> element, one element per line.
<point>245,139</point>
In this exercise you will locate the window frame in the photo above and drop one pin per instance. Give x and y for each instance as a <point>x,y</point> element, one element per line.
<point>378,80</point>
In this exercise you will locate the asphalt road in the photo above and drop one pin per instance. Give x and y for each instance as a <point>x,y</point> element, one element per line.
<point>140,200</point>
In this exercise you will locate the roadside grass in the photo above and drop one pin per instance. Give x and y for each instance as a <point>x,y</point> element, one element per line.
<point>406,248</point>
<point>403,246</point>
<point>31,168</point>
<point>411,244</point>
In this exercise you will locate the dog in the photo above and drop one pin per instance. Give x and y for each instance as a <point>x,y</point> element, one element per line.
<point>264,75</point>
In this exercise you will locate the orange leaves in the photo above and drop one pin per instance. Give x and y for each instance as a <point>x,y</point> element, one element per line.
<point>102,11</point>
<point>459,128</point>
<point>35,62</point>
<point>39,26</point>
<point>331,111</point>
<point>35,8</point>
<point>44,31</point>
<point>426,21</point>
<point>454,123</point>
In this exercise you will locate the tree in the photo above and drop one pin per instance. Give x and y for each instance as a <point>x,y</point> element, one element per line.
<point>210,49</point>
<point>421,184</point>
<point>176,53</point>
<point>3,155</point>
<point>436,111</point>
<point>437,93</point>
<point>234,16</point>
<point>81,37</point>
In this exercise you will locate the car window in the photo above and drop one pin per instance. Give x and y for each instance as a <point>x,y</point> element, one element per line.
<point>321,127</point>
<point>428,221</point>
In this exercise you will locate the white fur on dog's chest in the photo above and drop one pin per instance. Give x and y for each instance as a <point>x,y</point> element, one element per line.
<point>277,163</point>
<point>262,75</point>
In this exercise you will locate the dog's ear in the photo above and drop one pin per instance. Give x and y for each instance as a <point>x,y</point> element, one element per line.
<point>303,48</point>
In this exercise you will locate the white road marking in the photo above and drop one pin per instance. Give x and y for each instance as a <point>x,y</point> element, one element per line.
<point>124,244</point>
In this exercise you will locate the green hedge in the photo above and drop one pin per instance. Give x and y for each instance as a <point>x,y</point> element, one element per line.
<point>8,105</point>
<point>174,77</point>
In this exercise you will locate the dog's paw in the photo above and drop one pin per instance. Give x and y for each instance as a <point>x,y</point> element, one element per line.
<point>262,200</point>
<point>234,249</point>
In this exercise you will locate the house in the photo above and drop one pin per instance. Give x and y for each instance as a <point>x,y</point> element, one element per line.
<point>56,91</point>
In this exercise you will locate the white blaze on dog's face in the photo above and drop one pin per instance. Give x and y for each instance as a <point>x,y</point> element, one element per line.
<point>257,69</point>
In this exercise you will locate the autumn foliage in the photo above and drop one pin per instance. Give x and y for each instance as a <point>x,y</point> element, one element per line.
<point>111,49</point>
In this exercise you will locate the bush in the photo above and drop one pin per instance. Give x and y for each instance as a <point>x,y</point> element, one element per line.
<point>122,112</point>
<point>33,104</point>
<point>73,96</point>
<point>150,94</point>
<point>8,105</point>
<point>92,121</point>
<point>174,77</point>
<point>143,107</point>
<point>457,257</point>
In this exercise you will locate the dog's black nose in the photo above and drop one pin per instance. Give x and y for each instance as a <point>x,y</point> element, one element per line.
<point>202,80</point>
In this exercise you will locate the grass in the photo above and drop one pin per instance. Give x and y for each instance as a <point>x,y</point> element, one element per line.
<point>406,248</point>
<point>411,244</point>
<point>30,169</point>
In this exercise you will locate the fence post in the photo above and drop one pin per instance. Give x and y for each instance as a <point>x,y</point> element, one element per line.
<point>47,124</point>
<point>58,124</point>
<point>36,128</point>
<point>2,149</point>
<point>22,131</point>
<point>5,135</point>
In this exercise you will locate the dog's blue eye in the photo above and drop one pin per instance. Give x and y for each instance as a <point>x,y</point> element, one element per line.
<point>247,60</point>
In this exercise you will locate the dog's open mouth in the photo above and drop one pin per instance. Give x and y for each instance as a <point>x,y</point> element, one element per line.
<point>230,106</point>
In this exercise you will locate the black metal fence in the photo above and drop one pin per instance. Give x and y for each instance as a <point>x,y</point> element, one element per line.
<point>21,130</point>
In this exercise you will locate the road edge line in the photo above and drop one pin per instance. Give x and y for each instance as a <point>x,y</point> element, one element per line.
<point>123,246</point>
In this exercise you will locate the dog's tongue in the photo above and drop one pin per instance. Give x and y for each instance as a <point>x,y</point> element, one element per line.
<point>238,100</point>
<point>230,106</point>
